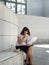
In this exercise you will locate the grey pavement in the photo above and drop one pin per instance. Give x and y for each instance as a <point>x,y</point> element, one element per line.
<point>40,54</point>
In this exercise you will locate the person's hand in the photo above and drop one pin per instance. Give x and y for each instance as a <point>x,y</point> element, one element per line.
<point>26,35</point>
<point>33,43</point>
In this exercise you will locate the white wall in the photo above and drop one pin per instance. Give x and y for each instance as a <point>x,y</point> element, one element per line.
<point>38,7</point>
<point>39,26</point>
<point>8,28</point>
<point>46,8</point>
<point>35,7</point>
<point>1,2</point>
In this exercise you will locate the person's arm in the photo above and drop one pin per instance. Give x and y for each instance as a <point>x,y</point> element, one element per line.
<point>33,44</point>
<point>20,40</point>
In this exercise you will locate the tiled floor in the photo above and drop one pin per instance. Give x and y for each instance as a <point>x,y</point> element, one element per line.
<point>41,54</point>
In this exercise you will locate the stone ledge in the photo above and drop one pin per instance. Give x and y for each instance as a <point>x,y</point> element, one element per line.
<point>6,54</point>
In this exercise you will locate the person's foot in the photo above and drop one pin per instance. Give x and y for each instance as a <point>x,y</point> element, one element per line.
<point>25,60</point>
<point>27,64</point>
<point>29,59</point>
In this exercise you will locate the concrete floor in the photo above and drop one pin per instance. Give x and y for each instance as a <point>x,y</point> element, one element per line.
<point>41,54</point>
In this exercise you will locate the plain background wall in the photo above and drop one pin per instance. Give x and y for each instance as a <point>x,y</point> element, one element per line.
<point>39,26</point>
<point>46,8</point>
<point>38,7</point>
<point>35,7</point>
<point>1,2</point>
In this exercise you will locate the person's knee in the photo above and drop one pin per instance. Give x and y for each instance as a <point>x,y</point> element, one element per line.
<point>30,53</point>
<point>30,50</point>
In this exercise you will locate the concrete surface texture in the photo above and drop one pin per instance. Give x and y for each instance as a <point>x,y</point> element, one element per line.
<point>41,54</point>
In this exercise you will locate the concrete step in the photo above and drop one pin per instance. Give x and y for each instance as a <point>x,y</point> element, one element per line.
<point>11,58</point>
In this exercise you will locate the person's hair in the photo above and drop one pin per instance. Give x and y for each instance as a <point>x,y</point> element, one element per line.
<point>25,29</point>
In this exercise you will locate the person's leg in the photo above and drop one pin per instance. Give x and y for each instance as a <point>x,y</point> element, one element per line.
<point>29,54</point>
<point>27,62</point>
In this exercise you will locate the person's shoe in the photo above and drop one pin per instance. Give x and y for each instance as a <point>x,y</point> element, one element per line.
<point>27,64</point>
<point>29,59</point>
<point>24,60</point>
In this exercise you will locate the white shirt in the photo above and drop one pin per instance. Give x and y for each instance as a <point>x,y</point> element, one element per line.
<point>23,43</point>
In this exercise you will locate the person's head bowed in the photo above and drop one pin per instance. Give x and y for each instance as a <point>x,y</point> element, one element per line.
<point>25,30</point>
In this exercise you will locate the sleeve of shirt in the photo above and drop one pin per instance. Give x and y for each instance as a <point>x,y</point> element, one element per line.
<point>19,35</point>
